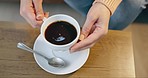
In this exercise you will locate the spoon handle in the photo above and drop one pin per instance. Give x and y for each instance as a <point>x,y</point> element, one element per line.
<point>25,47</point>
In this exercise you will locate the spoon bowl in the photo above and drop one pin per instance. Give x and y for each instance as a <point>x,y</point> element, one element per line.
<point>54,61</point>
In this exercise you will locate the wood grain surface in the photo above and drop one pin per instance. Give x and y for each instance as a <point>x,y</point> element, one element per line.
<point>112,56</point>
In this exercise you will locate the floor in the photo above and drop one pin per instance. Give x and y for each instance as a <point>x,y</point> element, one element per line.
<point>10,12</point>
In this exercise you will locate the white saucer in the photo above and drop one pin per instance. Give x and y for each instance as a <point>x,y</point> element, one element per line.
<point>74,61</point>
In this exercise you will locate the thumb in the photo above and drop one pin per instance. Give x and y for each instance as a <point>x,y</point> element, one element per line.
<point>87,27</point>
<point>38,9</point>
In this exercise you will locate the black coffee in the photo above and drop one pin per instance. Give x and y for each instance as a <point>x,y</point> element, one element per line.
<point>60,33</point>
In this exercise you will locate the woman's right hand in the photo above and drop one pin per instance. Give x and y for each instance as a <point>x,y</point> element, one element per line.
<point>32,11</point>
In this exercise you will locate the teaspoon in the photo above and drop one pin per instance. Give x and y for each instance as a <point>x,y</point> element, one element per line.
<point>54,61</point>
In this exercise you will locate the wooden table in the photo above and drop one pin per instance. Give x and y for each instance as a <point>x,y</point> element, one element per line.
<point>112,56</point>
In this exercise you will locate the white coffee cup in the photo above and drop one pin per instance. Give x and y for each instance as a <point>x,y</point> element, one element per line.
<point>55,18</point>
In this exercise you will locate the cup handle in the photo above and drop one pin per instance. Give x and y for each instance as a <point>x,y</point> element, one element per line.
<point>44,19</point>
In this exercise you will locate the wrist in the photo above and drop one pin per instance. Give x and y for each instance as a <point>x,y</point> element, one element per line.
<point>110,4</point>
<point>102,9</point>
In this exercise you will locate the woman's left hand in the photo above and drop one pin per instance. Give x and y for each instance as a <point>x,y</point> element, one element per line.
<point>96,26</point>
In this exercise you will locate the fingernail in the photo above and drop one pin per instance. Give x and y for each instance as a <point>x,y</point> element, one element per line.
<point>81,37</point>
<point>39,17</point>
<point>47,13</point>
<point>72,50</point>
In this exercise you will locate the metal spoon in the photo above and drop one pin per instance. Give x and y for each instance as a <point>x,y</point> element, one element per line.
<point>54,61</point>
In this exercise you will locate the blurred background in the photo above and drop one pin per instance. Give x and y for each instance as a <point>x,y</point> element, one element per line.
<point>9,11</point>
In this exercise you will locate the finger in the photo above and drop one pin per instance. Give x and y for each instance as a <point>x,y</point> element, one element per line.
<point>36,23</point>
<point>31,19</point>
<point>92,38</point>
<point>87,26</point>
<point>92,29</point>
<point>89,46</point>
<point>38,9</point>
<point>46,14</point>
<point>39,22</point>
<point>82,37</point>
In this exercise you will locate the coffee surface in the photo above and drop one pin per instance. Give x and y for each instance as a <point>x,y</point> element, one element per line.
<point>60,33</point>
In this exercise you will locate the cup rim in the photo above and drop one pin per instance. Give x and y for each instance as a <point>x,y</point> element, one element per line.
<point>53,16</point>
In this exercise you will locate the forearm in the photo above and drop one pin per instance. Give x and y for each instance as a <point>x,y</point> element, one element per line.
<point>110,4</point>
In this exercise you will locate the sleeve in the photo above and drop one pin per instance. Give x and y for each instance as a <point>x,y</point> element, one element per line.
<point>110,4</point>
